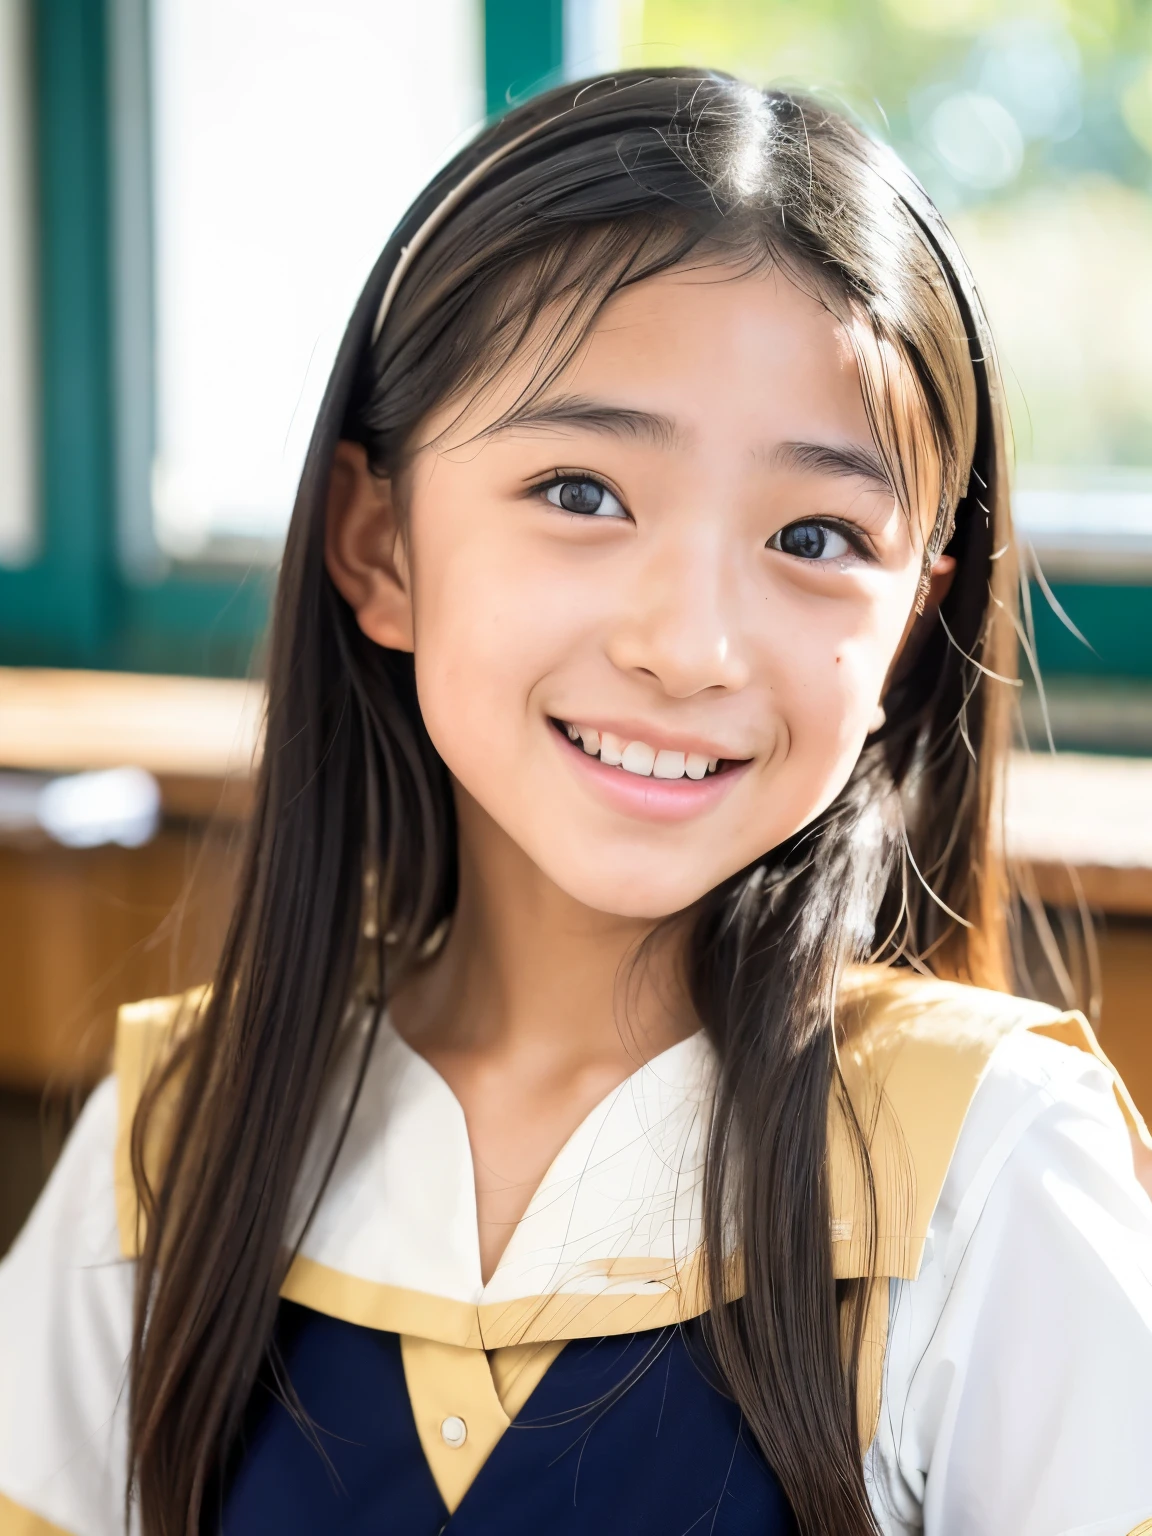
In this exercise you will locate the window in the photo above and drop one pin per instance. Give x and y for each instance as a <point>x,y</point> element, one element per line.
<point>156,509</point>
<point>288,137</point>
<point>212,179</point>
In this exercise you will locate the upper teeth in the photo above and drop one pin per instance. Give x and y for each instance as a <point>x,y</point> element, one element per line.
<point>639,757</point>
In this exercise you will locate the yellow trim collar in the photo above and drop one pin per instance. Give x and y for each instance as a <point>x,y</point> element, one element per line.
<point>15,1520</point>
<point>499,1325</point>
<point>913,1053</point>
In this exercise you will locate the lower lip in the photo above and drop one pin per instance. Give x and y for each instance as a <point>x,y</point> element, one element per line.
<point>650,799</point>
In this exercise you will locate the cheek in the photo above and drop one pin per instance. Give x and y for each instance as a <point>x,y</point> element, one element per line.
<point>834,659</point>
<point>486,630</point>
<point>828,673</point>
<point>468,665</point>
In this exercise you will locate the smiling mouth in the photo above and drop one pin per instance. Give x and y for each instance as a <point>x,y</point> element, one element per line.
<point>639,758</point>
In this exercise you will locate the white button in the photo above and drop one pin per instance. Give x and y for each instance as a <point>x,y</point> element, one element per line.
<point>454,1431</point>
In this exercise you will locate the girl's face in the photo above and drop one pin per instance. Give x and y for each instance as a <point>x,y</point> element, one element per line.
<point>653,615</point>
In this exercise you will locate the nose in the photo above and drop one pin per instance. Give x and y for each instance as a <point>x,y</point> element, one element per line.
<point>679,622</point>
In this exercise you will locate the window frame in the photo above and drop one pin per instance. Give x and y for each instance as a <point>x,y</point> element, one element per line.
<point>89,599</point>
<point>76,604</point>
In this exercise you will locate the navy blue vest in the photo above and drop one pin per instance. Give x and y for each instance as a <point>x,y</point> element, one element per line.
<point>627,1436</point>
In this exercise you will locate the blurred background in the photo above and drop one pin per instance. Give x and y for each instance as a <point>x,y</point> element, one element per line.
<point>192,193</point>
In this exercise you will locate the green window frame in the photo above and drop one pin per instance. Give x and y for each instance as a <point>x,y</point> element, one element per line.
<point>76,604</point>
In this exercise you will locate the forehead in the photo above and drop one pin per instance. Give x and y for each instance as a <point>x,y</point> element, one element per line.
<point>713,323</point>
<point>723,354</point>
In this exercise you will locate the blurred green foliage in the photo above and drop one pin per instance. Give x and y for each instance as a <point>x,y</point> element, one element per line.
<point>1076,76</point>
<point>1030,122</point>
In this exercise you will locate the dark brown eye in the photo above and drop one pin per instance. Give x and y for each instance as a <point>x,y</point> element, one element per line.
<point>588,498</point>
<point>811,541</point>
<point>806,540</point>
<point>581,496</point>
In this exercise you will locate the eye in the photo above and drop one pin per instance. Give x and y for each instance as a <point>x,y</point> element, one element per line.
<point>588,498</point>
<point>813,541</point>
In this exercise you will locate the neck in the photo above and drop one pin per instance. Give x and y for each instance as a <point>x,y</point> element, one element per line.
<point>525,968</point>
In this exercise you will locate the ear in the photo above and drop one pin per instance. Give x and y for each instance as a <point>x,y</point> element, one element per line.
<point>941,575</point>
<point>364,549</point>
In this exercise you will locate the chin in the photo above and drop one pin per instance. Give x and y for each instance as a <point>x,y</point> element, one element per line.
<point>647,895</point>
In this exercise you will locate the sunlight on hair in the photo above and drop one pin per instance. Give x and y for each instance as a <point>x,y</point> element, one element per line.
<point>749,171</point>
<point>905,434</point>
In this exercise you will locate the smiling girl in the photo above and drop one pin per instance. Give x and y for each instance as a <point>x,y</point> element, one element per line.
<point>610,1113</point>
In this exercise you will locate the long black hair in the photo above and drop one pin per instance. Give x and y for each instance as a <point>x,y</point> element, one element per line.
<point>353,836</point>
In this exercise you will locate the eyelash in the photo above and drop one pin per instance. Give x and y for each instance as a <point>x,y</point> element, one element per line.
<point>858,541</point>
<point>561,477</point>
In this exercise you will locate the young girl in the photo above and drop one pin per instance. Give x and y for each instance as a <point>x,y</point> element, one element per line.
<point>543,1157</point>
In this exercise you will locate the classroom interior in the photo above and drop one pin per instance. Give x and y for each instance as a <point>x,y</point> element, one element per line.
<point>183,230</point>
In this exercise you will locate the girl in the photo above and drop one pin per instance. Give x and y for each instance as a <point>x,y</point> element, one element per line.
<point>542,1158</point>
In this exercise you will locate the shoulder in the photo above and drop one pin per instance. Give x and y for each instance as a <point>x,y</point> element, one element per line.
<point>65,1335</point>
<point>146,1032</point>
<point>78,1202</point>
<point>66,1304</point>
<point>965,1057</point>
<point>933,1070</point>
<point>1018,1374</point>
<point>1046,1133</point>
<point>896,1022</point>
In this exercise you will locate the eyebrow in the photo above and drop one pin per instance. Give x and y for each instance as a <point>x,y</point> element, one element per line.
<point>850,460</point>
<point>592,416</point>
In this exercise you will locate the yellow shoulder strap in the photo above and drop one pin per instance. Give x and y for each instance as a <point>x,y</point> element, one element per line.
<point>145,1033</point>
<point>914,1051</point>
<point>1074,1029</point>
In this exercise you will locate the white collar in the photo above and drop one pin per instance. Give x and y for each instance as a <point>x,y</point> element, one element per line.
<point>620,1204</point>
<point>618,1214</point>
<point>611,1240</point>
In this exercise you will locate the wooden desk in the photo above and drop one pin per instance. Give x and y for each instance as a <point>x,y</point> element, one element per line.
<point>1084,823</point>
<point>198,736</point>
<point>82,930</point>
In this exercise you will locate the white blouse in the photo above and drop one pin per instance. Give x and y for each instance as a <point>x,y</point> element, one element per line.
<point>1017,1375</point>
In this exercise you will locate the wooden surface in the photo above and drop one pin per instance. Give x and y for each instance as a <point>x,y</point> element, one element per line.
<point>1126,1015</point>
<point>83,930</point>
<point>1084,823</point>
<point>198,736</point>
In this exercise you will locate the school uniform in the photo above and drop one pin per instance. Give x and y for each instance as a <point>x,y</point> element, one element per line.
<point>1006,1379</point>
